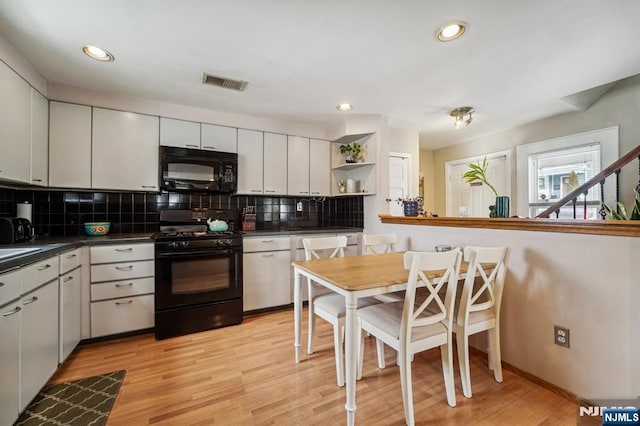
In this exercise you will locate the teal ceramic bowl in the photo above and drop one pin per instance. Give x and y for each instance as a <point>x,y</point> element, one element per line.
<point>97,228</point>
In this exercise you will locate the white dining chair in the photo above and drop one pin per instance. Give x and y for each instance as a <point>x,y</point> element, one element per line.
<point>379,243</point>
<point>329,306</point>
<point>479,307</point>
<point>409,328</point>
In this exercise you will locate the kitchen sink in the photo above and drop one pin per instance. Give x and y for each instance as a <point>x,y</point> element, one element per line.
<point>12,252</point>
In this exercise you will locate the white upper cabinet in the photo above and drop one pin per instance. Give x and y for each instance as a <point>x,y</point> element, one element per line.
<point>180,133</point>
<point>298,166</point>
<point>275,174</point>
<point>219,138</point>
<point>15,126</point>
<point>125,151</point>
<point>69,145</point>
<point>39,139</point>
<point>250,161</point>
<point>319,168</point>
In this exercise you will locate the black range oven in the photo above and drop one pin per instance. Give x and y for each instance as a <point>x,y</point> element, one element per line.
<point>198,273</point>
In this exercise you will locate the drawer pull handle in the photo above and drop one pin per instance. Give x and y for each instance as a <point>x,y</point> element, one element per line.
<point>124,285</point>
<point>191,145</point>
<point>128,302</point>
<point>15,311</point>
<point>256,190</point>
<point>1,284</point>
<point>42,268</point>
<point>37,180</point>
<point>71,256</point>
<point>268,255</point>
<point>209,147</point>
<point>124,249</point>
<point>33,299</point>
<point>267,241</point>
<point>303,192</point>
<point>67,279</point>
<point>148,186</point>
<point>124,268</point>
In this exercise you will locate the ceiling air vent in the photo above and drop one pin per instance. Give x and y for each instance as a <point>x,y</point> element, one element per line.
<point>224,82</point>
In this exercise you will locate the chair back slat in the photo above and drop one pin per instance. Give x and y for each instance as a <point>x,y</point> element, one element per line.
<point>432,309</point>
<point>379,243</point>
<point>314,247</point>
<point>488,265</point>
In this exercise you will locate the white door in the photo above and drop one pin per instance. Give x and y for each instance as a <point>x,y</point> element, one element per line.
<point>398,182</point>
<point>465,199</point>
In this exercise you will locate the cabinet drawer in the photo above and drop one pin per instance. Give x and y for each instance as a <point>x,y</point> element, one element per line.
<point>266,244</point>
<point>39,273</point>
<point>127,288</point>
<point>122,315</point>
<point>122,271</point>
<point>10,286</point>
<point>69,260</point>
<point>299,244</point>
<point>121,253</point>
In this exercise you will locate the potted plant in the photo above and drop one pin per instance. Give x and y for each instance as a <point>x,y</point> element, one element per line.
<point>621,212</point>
<point>352,152</point>
<point>411,206</point>
<point>478,173</point>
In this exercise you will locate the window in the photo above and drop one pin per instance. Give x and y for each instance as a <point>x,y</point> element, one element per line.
<point>549,170</point>
<point>560,172</point>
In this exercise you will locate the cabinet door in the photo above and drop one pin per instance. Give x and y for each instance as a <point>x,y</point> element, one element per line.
<point>15,126</point>
<point>70,312</point>
<point>250,157</point>
<point>275,174</point>
<point>9,366</point>
<point>39,340</point>
<point>125,151</point>
<point>262,289</point>
<point>69,145</point>
<point>319,168</point>
<point>219,138</point>
<point>298,166</point>
<point>39,139</point>
<point>180,133</point>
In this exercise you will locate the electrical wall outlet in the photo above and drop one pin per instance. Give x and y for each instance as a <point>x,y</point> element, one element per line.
<point>561,336</point>
<point>299,206</point>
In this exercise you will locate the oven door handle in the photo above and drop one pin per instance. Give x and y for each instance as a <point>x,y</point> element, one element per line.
<point>177,254</point>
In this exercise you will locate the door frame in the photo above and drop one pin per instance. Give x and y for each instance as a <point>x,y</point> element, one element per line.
<point>407,157</point>
<point>507,154</point>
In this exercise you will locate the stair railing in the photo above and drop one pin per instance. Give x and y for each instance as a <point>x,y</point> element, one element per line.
<point>600,178</point>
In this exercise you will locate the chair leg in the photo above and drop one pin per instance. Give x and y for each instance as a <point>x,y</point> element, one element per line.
<point>446,353</point>
<point>339,354</point>
<point>361,333</point>
<point>405,383</point>
<point>463,359</point>
<point>380,353</point>
<point>494,348</point>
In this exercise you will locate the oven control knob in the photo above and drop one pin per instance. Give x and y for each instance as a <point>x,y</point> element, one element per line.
<point>184,244</point>
<point>227,242</point>
<point>173,244</point>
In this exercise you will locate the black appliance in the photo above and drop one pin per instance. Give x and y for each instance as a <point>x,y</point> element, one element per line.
<point>15,230</point>
<point>184,169</point>
<point>198,273</point>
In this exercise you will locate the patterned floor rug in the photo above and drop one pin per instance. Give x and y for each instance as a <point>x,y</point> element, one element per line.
<point>81,402</point>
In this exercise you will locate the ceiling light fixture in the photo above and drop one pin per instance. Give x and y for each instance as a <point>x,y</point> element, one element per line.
<point>462,116</point>
<point>344,107</point>
<point>451,31</point>
<point>97,53</point>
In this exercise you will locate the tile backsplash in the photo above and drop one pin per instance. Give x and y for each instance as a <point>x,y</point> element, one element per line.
<point>62,213</point>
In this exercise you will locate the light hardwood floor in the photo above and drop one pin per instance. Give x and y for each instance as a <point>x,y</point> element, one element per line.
<point>246,375</point>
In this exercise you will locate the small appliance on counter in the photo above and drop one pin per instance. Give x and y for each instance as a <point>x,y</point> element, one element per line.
<point>15,230</point>
<point>249,218</point>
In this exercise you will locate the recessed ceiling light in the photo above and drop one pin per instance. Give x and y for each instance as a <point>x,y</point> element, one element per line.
<point>344,107</point>
<point>451,31</point>
<point>97,53</point>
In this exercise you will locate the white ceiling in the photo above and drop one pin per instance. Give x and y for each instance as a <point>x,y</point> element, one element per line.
<point>515,64</point>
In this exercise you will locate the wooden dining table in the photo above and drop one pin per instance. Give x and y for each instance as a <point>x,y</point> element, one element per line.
<point>353,277</point>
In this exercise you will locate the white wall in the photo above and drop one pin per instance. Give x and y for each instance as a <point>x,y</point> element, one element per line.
<point>620,106</point>
<point>587,283</point>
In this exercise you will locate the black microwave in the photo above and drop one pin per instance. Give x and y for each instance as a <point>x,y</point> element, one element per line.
<point>184,169</point>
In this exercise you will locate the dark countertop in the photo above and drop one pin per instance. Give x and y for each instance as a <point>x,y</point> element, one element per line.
<point>298,231</point>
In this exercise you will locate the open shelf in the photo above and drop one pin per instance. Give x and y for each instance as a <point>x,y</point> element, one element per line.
<point>350,166</point>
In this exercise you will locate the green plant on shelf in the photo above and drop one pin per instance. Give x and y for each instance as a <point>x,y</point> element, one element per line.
<point>352,152</point>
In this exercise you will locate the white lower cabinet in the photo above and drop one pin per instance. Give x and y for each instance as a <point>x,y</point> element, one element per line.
<point>10,364</point>
<point>266,272</point>
<point>122,288</point>
<point>70,312</point>
<point>38,340</point>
